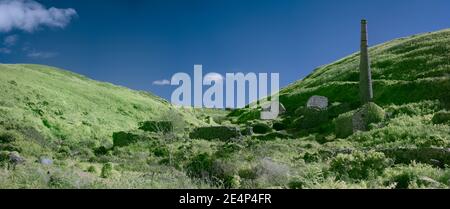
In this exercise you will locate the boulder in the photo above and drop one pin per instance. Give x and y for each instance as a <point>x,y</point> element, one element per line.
<point>46,161</point>
<point>156,126</point>
<point>215,132</point>
<point>15,158</point>
<point>317,102</point>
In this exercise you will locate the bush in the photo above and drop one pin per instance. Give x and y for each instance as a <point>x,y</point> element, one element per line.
<point>261,128</point>
<point>278,126</point>
<point>248,174</point>
<point>232,182</point>
<point>107,170</point>
<point>311,158</point>
<point>161,152</point>
<point>215,132</point>
<point>92,169</point>
<point>415,175</point>
<point>295,184</point>
<point>4,156</point>
<point>344,125</point>
<point>200,166</point>
<point>274,173</point>
<point>121,139</point>
<point>102,150</point>
<point>313,118</point>
<point>8,136</point>
<point>248,115</point>
<point>359,165</point>
<point>60,181</point>
<point>156,126</point>
<point>413,109</point>
<point>441,118</point>
<point>375,113</point>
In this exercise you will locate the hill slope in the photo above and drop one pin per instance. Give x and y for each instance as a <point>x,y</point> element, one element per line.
<point>404,70</point>
<point>65,105</point>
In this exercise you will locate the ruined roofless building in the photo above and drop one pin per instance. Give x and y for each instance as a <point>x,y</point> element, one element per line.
<point>365,76</point>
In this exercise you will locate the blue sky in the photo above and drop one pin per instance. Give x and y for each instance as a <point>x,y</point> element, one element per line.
<point>134,43</point>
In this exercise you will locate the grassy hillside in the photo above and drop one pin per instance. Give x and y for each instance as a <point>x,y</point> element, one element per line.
<point>404,70</point>
<point>64,105</point>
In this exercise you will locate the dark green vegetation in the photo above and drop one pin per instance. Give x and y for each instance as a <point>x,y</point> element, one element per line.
<point>62,130</point>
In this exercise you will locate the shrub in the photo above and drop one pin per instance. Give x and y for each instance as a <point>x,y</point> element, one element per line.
<point>121,139</point>
<point>415,175</point>
<point>375,113</point>
<point>359,165</point>
<point>248,115</point>
<point>232,182</point>
<point>4,156</point>
<point>295,184</point>
<point>102,150</point>
<point>92,169</point>
<point>261,128</point>
<point>313,118</point>
<point>311,158</point>
<point>215,132</point>
<point>156,126</point>
<point>412,109</point>
<point>8,136</point>
<point>441,117</point>
<point>344,125</point>
<point>274,173</point>
<point>59,181</point>
<point>107,170</point>
<point>278,126</point>
<point>248,174</point>
<point>200,166</point>
<point>161,152</point>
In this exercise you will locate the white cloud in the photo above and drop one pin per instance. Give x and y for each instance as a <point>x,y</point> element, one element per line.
<point>163,82</point>
<point>44,55</point>
<point>29,15</point>
<point>213,77</point>
<point>10,40</point>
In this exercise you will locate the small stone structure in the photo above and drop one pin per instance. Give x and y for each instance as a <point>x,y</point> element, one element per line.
<point>267,107</point>
<point>348,123</point>
<point>317,102</point>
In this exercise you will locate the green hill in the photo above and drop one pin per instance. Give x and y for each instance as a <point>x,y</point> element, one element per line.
<point>64,105</point>
<point>404,70</point>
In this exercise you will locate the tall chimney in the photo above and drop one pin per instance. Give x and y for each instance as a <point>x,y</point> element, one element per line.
<point>365,77</point>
